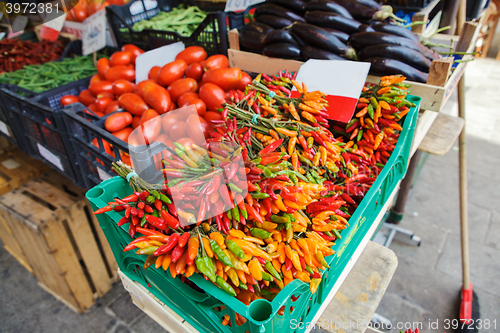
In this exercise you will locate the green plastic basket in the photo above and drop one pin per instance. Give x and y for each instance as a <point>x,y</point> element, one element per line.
<point>197,307</point>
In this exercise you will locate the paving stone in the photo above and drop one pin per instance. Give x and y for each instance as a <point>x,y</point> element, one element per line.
<point>116,291</point>
<point>493,237</point>
<point>483,192</point>
<point>147,325</point>
<point>488,305</point>
<point>125,309</point>
<point>417,283</point>
<point>484,264</point>
<point>122,329</point>
<point>433,240</point>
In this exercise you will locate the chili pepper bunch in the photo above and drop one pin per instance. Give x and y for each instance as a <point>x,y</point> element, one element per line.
<point>303,184</point>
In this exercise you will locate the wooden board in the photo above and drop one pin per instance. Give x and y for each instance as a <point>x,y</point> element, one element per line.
<point>16,168</point>
<point>425,120</point>
<point>362,291</point>
<point>442,134</point>
<point>11,244</point>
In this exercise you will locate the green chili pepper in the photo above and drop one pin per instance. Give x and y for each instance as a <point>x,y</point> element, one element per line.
<point>380,165</point>
<point>257,160</point>
<point>374,103</point>
<point>230,214</point>
<point>290,217</point>
<point>260,233</point>
<point>268,173</point>
<point>143,221</point>
<point>242,286</point>
<point>336,233</point>
<point>147,250</point>
<point>387,99</point>
<point>259,195</point>
<point>203,268</point>
<point>270,268</point>
<point>349,124</point>
<point>309,270</point>
<point>310,141</point>
<point>225,286</point>
<point>220,254</point>
<point>360,135</point>
<point>370,111</point>
<point>165,199</point>
<point>233,247</point>
<point>267,277</point>
<point>310,178</point>
<point>305,160</point>
<point>150,199</point>
<point>279,219</point>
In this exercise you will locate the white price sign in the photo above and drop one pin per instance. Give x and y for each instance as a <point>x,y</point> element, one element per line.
<point>237,5</point>
<point>94,32</point>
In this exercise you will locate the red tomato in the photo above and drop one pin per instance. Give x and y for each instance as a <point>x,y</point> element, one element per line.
<point>136,121</point>
<point>192,54</point>
<point>211,115</point>
<point>79,12</point>
<point>168,121</point>
<point>102,66</point>
<point>150,129</point>
<point>68,99</point>
<point>133,103</point>
<point>186,142</point>
<point>178,130</point>
<point>117,121</point>
<point>86,97</point>
<point>102,103</point>
<point>121,87</point>
<point>120,58</point>
<point>157,97</point>
<point>105,144</point>
<point>212,95</point>
<point>165,139</point>
<point>120,72</point>
<point>245,81</point>
<point>106,94</point>
<point>112,107</point>
<point>142,84</point>
<point>123,134</point>
<point>226,78</point>
<point>173,107</point>
<point>182,86</point>
<point>153,72</point>
<point>195,71</point>
<point>201,108</point>
<point>132,49</point>
<point>186,97</point>
<point>148,115</point>
<point>101,86</point>
<point>216,61</point>
<point>197,128</point>
<point>171,72</point>
<point>95,78</point>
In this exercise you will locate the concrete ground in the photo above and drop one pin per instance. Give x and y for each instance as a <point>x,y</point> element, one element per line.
<point>427,282</point>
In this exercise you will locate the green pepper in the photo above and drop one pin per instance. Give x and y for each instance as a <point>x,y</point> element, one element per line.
<point>380,165</point>
<point>150,199</point>
<point>270,268</point>
<point>165,199</point>
<point>310,142</point>
<point>310,178</point>
<point>315,175</point>
<point>288,225</point>
<point>309,270</point>
<point>290,217</point>
<point>305,160</point>
<point>242,286</point>
<point>259,195</point>
<point>244,212</point>
<point>220,254</point>
<point>349,124</point>
<point>336,233</point>
<point>238,265</point>
<point>268,173</point>
<point>230,214</point>
<point>374,103</point>
<point>370,111</point>
<point>233,247</point>
<point>234,188</point>
<point>277,167</point>
<point>360,135</point>
<point>260,233</point>
<point>279,219</point>
<point>143,221</point>
<point>256,161</point>
<point>292,173</point>
<point>236,213</point>
<point>387,99</point>
<point>203,268</point>
<point>225,286</point>
<point>150,250</point>
<point>267,277</point>
<point>404,85</point>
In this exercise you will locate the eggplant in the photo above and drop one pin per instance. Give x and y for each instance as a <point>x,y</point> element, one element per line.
<point>295,5</point>
<point>360,11</point>
<point>279,36</point>
<point>370,4</point>
<point>298,40</point>
<point>274,21</point>
<point>251,40</point>
<point>327,6</point>
<point>272,9</point>
<point>324,39</point>
<point>401,53</point>
<point>282,50</point>
<point>386,66</point>
<point>333,21</point>
<point>258,27</point>
<point>363,39</point>
<point>342,36</point>
<point>311,52</point>
<point>395,30</point>
<point>365,28</point>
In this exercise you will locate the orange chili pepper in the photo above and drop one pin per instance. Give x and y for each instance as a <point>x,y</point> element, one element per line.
<point>384,105</point>
<point>190,270</point>
<point>396,126</point>
<point>308,116</point>
<point>255,269</point>
<point>362,112</point>
<point>159,261</point>
<point>192,250</point>
<point>378,140</point>
<point>167,259</point>
<point>384,90</point>
<point>219,239</point>
<point>287,132</point>
<point>173,271</point>
<point>274,135</point>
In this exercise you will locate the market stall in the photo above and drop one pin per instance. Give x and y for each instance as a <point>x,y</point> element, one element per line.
<point>233,196</point>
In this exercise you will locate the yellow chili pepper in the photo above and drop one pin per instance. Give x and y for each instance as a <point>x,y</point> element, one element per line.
<point>313,286</point>
<point>237,233</point>
<point>287,132</point>
<point>263,101</point>
<point>280,204</point>
<point>255,269</point>
<point>254,240</point>
<point>286,274</point>
<point>274,135</point>
<point>296,261</point>
<point>316,158</point>
<point>308,116</point>
<point>281,250</point>
<point>219,239</point>
<point>233,276</point>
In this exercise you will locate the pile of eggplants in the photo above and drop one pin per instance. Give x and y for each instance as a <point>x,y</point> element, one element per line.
<point>337,30</point>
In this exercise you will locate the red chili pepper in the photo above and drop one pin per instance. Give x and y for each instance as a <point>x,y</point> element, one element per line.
<point>267,205</point>
<point>288,264</point>
<point>347,198</point>
<point>302,262</point>
<point>250,288</point>
<point>131,198</point>
<point>353,126</point>
<point>144,195</point>
<point>105,209</point>
<point>224,193</point>
<point>184,239</point>
<point>158,204</point>
<point>262,261</point>
<point>203,209</point>
<point>123,221</point>
<point>226,223</point>
<point>272,147</point>
<point>148,209</point>
<point>172,222</point>
<point>177,253</point>
<point>218,221</point>
<point>147,232</point>
<point>131,230</point>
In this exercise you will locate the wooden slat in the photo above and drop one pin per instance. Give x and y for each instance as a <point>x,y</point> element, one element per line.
<point>87,245</point>
<point>442,134</point>
<point>440,71</point>
<point>16,168</point>
<point>49,194</point>
<point>253,62</point>
<point>10,241</point>
<point>425,120</point>
<point>423,15</point>
<point>234,39</point>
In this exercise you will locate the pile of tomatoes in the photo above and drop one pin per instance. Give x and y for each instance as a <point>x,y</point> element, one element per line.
<point>191,79</point>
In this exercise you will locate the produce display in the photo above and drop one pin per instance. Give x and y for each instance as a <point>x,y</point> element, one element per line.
<point>277,212</point>
<point>82,9</point>
<point>15,54</point>
<point>182,20</point>
<point>336,30</point>
<point>39,78</point>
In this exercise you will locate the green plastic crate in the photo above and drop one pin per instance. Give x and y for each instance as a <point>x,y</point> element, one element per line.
<point>197,307</point>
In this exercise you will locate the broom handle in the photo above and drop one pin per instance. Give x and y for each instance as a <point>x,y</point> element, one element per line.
<point>464,224</point>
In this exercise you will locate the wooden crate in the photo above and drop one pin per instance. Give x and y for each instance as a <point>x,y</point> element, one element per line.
<point>435,93</point>
<point>59,239</point>
<point>16,168</point>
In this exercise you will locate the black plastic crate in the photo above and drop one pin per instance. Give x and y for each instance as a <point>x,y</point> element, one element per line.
<point>475,8</point>
<point>406,5</point>
<point>39,119</point>
<point>211,34</point>
<point>94,147</point>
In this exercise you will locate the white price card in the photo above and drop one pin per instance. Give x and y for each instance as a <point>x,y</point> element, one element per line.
<point>49,156</point>
<point>102,174</point>
<point>157,57</point>
<point>4,129</point>
<point>238,5</point>
<point>94,32</point>
<point>19,23</point>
